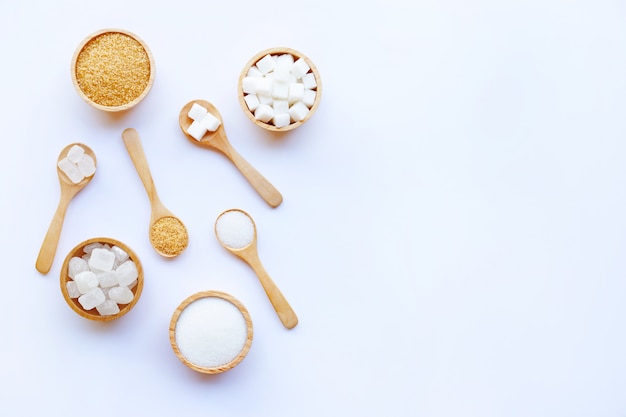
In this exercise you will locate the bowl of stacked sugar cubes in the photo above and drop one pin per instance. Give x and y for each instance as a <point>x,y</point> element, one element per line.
<point>101,279</point>
<point>279,89</point>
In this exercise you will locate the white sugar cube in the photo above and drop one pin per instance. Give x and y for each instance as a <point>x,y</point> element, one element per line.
<point>196,130</point>
<point>282,70</point>
<point>264,113</point>
<point>300,67</point>
<point>280,106</point>
<point>107,279</point>
<point>298,111</point>
<point>249,85</point>
<point>266,100</point>
<point>75,153</point>
<point>72,289</point>
<point>196,112</point>
<point>86,165</point>
<point>281,119</point>
<point>126,273</point>
<point>91,246</point>
<point>210,122</point>
<point>264,86</point>
<point>266,64</point>
<point>92,298</point>
<point>86,281</point>
<point>71,170</point>
<point>76,265</point>
<point>254,72</point>
<point>252,101</point>
<point>296,92</point>
<point>108,308</point>
<point>288,58</point>
<point>309,97</point>
<point>309,80</point>
<point>120,254</point>
<point>121,295</point>
<point>280,90</point>
<point>101,259</point>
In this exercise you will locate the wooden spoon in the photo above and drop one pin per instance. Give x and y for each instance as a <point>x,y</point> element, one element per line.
<point>218,141</point>
<point>250,255</point>
<point>168,235</point>
<point>68,191</point>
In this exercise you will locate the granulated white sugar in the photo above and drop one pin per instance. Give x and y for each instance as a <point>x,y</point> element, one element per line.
<point>211,332</point>
<point>234,229</point>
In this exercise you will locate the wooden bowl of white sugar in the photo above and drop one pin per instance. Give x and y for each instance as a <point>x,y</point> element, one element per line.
<point>101,279</point>
<point>279,89</point>
<point>211,332</point>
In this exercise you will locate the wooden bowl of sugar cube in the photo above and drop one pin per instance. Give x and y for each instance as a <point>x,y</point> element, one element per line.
<point>112,70</point>
<point>279,89</point>
<point>101,279</point>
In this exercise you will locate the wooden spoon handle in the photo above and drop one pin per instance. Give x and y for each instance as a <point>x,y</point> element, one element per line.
<point>261,185</point>
<point>137,155</point>
<point>51,241</point>
<point>279,302</point>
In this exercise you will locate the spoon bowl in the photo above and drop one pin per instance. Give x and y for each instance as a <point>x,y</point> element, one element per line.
<point>68,190</point>
<point>218,141</point>
<point>168,235</point>
<point>236,232</point>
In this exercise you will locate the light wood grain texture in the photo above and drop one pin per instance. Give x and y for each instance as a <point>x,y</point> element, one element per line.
<point>218,141</point>
<point>93,313</point>
<point>134,147</point>
<point>125,106</point>
<point>68,191</point>
<point>279,51</point>
<point>250,255</point>
<point>221,368</point>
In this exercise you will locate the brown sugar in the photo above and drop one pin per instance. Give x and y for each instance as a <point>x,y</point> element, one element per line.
<point>169,236</point>
<point>113,69</point>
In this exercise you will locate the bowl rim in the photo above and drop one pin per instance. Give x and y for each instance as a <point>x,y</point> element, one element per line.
<point>276,51</point>
<point>75,305</point>
<point>125,106</point>
<point>206,294</point>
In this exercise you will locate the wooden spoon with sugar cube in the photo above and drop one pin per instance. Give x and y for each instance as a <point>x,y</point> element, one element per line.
<point>76,167</point>
<point>215,138</point>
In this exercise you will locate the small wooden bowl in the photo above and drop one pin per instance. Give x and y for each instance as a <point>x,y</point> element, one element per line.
<point>279,51</point>
<point>93,313</point>
<point>113,80</point>
<point>214,369</point>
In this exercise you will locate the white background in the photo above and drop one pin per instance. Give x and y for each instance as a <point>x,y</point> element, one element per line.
<point>453,229</point>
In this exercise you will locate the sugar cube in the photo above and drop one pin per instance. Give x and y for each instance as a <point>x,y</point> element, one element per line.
<point>309,80</point>
<point>107,278</point>
<point>282,71</point>
<point>126,273</point>
<point>252,101</point>
<point>101,259</point>
<point>92,298</point>
<point>300,68</point>
<point>108,308</point>
<point>309,97</point>
<point>280,106</point>
<point>264,113</point>
<point>281,119</point>
<point>280,90</point>
<point>86,165</point>
<point>266,100</point>
<point>249,85</point>
<point>76,265</point>
<point>121,295</point>
<point>72,289</point>
<point>210,122</point>
<point>296,92</point>
<point>254,72</point>
<point>75,152</point>
<point>197,112</point>
<point>264,86</point>
<point>284,58</point>
<point>266,64</point>
<point>196,130</point>
<point>298,111</point>
<point>71,170</point>
<point>86,281</point>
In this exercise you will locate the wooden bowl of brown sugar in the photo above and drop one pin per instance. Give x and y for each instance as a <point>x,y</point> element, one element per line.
<point>112,70</point>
